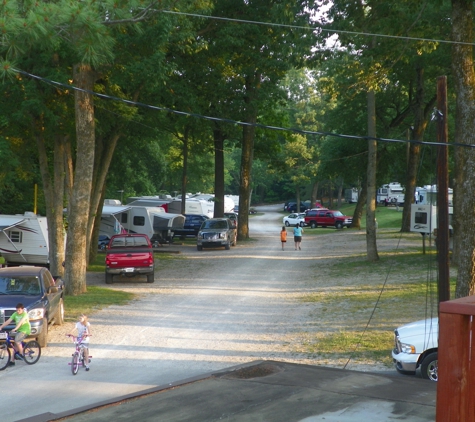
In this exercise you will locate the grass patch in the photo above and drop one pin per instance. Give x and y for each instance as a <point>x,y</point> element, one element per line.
<point>372,346</point>
<point>94,300</point>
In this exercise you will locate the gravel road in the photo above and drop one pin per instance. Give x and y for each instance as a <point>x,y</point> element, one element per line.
<point>206,311</point>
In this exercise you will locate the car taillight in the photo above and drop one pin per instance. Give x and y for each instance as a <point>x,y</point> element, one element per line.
<point>150,260</point>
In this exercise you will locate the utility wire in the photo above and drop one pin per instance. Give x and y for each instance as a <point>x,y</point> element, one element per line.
<point>319,28</point>
<point>235,122</point>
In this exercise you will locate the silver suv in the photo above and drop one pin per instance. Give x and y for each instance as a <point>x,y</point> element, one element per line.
<point>217,232</point>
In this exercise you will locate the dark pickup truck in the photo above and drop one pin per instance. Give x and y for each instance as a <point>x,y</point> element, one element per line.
<point>129,255</point>
<point>40,293</point>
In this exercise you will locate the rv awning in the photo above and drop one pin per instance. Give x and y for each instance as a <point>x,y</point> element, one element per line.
<point>7,222</point>
<point>109,210</point>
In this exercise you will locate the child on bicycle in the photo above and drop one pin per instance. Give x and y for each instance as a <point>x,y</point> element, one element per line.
<point>83,328</point>
<point>22,328</point>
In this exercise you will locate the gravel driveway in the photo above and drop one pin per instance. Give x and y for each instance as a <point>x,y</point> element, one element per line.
<point>206,311</point>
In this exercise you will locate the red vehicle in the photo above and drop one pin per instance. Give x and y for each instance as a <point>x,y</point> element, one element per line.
<point>325,218</point>
<point>129,255</point>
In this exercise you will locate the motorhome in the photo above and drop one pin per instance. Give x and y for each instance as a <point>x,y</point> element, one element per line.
<point>155,222</point>
<point>24,239</point>
<point>351,195</point>
<point>390,194</point>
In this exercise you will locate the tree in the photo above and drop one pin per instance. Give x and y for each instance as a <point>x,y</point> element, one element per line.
<point>464,189</point>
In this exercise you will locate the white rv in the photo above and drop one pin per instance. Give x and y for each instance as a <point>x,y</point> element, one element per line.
<point>427,195</point>
<point>390,194</point>
<point>155,222</point>
<point>24,239</point>
<point>351,195</point>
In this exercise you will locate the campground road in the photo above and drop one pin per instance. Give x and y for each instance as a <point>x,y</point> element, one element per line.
<point>212,310</point>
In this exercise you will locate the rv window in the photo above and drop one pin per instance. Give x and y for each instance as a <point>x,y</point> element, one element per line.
<point>123,218</point>
<point>16,237</point>
<point>139,221</point>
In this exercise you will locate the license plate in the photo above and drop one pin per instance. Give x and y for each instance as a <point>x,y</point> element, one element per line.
<point>3,336</point>
<point>129,270</point>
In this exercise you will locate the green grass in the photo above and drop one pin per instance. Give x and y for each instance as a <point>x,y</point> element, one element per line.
<point>95,299</point>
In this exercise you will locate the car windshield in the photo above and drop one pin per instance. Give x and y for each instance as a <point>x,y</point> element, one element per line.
<point>22,285</point>
<point>213,224</point>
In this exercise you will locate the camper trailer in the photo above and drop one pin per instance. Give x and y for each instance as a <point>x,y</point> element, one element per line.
<point>427,195</point>
<point>24,239</point>
<point>155,222</point>
<point>351,195</point>
<point>202,204</point>
<point>390,194</point>
<point>424,218</point>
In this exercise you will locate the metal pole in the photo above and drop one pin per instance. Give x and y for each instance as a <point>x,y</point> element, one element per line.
<point>442,191</point>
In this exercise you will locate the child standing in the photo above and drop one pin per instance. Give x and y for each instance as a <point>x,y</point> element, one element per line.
<point>83,328</point>
<point>283,236</point>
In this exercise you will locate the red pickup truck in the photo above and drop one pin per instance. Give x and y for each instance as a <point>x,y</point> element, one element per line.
<point>325,218</point>
<point>129,255</point>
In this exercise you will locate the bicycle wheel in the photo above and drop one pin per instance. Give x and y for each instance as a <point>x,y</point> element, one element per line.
<point>4,356</point>
<point>75,363</point>
<point>31,352</point>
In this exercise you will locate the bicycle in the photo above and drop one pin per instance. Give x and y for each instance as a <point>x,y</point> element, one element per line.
<point>78,355</point>
<point>31,351</point>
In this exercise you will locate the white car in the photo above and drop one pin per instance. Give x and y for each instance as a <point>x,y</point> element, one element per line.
<point>293,219</point>
<point>416,346</point>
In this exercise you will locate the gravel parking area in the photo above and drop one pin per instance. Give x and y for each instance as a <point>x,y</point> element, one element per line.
<point>206,311</point>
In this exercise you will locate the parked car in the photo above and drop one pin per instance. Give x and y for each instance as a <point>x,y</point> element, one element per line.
<point>416,346</point>
<point>232,216</point>
<point>325,218</point>
<point>216,232</point>
<point>292,207</point>
<point>103,242</point>
<point>192,225</point>
<point>293,219</point>
<point>41,294</point>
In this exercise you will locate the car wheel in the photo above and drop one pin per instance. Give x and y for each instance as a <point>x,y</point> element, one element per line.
<point>109,278</point>
<point>227,246</point>
<point>102,247</point>
<point>302,224</point>
<point>42,339</point>
<point>429,367</point>
<point>199,247</point>
<point>313,224</point>
<point>339,225</point>
<point>150,278</point>
<point>287,224</point>
<point>393,200</point>
<point>59,318</point>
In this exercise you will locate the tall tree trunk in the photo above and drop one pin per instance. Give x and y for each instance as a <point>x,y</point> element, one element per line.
<point>464,188</point>
<point>54,193</point>
<point>102,158</point>
<point>357,214</point>
<point>184,177</point>
<point>247,155</point>
<point>371,247</point>
<point>81,192</point>
<point>314,194</point>
<point>219,138</point>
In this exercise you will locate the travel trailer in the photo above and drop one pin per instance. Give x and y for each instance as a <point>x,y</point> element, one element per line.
<point>390,194</point>
<point>351,195</point>
<point>202,204</point>
<point>427,195</point>
<point>155,222</point>
<point>24,239</point>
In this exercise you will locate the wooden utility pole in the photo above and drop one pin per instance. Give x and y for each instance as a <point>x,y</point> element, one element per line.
<point>442,191</point>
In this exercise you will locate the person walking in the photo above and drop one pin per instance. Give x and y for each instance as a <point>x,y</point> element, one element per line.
<point>298,236</point>
<point>283,236</point>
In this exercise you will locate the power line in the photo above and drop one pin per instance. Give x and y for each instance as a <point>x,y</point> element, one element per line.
<point>234,122</point>
<point>319,28</point>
